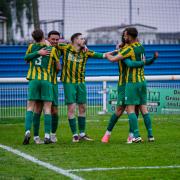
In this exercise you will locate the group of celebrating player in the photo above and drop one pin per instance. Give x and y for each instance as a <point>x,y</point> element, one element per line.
<point>44,64</point>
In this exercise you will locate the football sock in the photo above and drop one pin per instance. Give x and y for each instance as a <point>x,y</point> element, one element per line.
<point>72,124</point>
<point>47,123</point>
<point>28,120</point>
<point>133,120</point>
<point>36,123</point>
<point>148,124</point>
<point>113,120</point>
<point>47,135</point>
<point>54,123</point>
<point>81,124</point>
<point>108,133</point>
<point>131,124</point>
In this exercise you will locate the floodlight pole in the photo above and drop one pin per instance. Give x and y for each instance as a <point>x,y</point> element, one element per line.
<point>130,11</point>
<point>35,14</point>
<point>63,16</point>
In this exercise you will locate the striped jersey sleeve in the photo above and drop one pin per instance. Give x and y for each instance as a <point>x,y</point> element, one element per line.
<point>127,52</point>
<point>94,54</point>
<point>29,49</point>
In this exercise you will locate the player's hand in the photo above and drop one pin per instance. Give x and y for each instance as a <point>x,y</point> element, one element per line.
<point>108,54</point>
<point>144,59</point>
<point>118,46</point>
<point>47,43</point>
<point>43,52</point>
<point>85,49</point>
<point>156,54</point>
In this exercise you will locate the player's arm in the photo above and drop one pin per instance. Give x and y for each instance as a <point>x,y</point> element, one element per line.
<point>150,61</point>
<point>28,52</point>
<point>98,55</point>
<point>126,53</point>
<point>30,55</point>
<point>94,54</point>
<point>133,64</point>
<point>61,46</point>
<point>56,55</point>
<point>114,58</point>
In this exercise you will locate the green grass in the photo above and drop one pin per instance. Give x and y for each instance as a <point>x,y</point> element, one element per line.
<point>163,152</point>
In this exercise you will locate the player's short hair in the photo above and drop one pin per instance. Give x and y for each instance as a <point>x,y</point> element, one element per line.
<point>53,33</point>
<point>37,35</point>
<point>132,31</point>
<point>74,36</point>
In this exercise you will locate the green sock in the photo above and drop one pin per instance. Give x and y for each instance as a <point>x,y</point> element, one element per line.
<point>47,123</point>
<point>148,124</point>
<point>36,123</point>
<point>54,123</point>
<point>72,124</point>
<point>81,124</point>
<point>133,120</point>
<point>28,120</point>
<point>137,115</point>
<point>131,127</point>
<point>113,120</point>
<point>131,124</point>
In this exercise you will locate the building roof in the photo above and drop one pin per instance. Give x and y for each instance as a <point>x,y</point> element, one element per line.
<point>168,35</point>
<point>114,28</point>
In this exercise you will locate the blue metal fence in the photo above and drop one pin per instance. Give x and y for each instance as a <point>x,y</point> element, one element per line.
<point>13,65</point>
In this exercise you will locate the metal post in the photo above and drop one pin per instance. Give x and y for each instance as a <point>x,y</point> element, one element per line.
<point>104,96</point>
<point>130,11</point>
<point>35,14</point>
<point>63,17</point>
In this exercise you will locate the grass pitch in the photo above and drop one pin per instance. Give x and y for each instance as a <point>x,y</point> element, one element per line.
<point>165,151</point>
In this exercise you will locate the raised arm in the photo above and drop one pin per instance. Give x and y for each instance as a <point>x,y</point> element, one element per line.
<point>94,54</point>
<point>126,53</point>
<point>114,58</point>
<point>133,64</point>
<point>150,61</point>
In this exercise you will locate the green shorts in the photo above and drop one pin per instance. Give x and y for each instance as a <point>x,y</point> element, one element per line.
<point>55,94</point>
<point>121,95</point>
<point>40,90</point>
<point>75,93</point>
<point>136,93</point>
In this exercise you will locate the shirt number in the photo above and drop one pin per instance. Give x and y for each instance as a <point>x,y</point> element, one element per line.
<point>38,61</point>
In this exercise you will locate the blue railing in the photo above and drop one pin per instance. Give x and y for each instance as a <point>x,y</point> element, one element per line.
<point>13,65</point>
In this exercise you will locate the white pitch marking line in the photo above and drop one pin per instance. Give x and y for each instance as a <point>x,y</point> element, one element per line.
<point>124,168</point>
<point>41,163</point>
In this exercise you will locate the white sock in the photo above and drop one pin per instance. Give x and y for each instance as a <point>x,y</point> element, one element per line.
<point>47,135</point>
<point>108,133</point>
<point>82,134</point>
<point>35,137</point>
<point>75,135</point>
<point>131,135</point>
<point>28,131</point>
<point>53,134</point>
